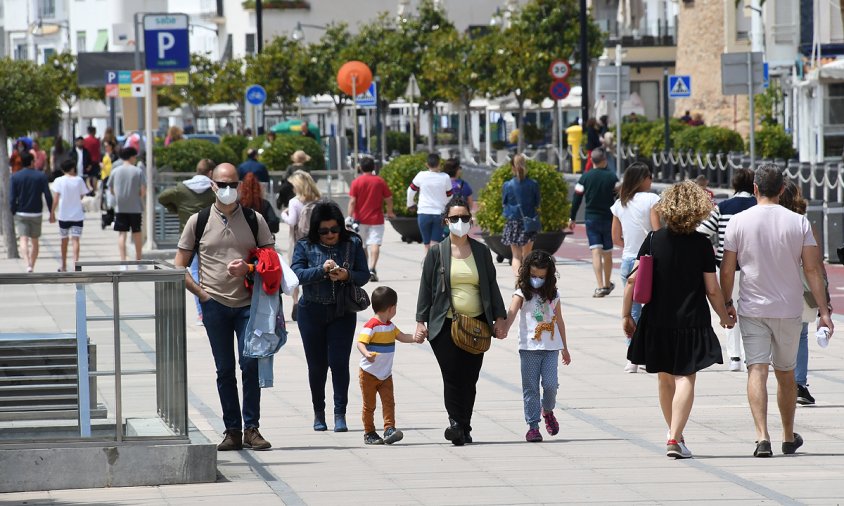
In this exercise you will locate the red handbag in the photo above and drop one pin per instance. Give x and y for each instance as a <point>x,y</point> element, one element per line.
<point>643,286</point>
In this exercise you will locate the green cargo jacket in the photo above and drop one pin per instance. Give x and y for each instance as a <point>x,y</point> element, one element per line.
<point>434,298</point>
<point>184,201</point>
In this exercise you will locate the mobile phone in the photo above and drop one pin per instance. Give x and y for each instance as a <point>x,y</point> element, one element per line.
<point>335,269</point>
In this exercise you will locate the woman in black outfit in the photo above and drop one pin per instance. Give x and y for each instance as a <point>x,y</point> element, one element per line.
<point>459,272</point>
<point>674,336</point>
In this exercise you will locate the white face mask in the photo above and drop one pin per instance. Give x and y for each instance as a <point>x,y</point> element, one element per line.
<point>226,196</point>
<point>537,282</point>
<point>459,229</point>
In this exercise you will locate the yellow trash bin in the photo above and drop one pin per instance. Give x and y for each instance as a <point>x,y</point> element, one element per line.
<point>574,136</point>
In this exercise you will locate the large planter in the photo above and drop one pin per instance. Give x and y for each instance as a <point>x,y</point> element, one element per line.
<point>407,227</point>
<point>546,241</point>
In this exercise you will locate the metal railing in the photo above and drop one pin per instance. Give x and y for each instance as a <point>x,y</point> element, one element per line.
<point>169,365</point>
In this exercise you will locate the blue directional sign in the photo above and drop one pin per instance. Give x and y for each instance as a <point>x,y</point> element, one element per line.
<point>369,98</point>
<point>766,76</point>
<point>166,41</point>
<point>256,94</point>
<point>679,86</point>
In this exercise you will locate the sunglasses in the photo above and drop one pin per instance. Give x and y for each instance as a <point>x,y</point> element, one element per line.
<point>464,218</point>
<point>223,184</point>
<point>325,230</point>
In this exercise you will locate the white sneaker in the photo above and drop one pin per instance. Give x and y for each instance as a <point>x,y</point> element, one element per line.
<point>735,365</point>
<point>631,367</point>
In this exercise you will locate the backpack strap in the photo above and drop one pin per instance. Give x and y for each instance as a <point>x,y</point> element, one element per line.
<point>201,221</point>
<point>252,221</point>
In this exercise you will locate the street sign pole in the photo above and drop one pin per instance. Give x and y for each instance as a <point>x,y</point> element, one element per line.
<point>139,102</point>
<point>150,193</point>
<point>412,88</point>
<point>618,112</point>
<point>355,117</point>
<point>752,116</point>
<point>665,115</point>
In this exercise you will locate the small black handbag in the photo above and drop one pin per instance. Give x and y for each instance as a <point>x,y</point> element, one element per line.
<point>349,297</point>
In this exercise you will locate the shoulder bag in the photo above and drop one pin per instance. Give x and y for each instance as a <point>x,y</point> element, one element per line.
<point>350,298</point>
<point>530,223</point>
<point>470,334</point>
<point>643,286</point>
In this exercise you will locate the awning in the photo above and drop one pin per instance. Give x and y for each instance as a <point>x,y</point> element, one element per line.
<point>102,41</point>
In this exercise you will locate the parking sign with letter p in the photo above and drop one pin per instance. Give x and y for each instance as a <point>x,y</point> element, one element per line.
<point>166,41</point>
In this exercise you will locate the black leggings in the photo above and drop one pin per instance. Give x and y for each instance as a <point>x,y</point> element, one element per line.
<point>460,371</point>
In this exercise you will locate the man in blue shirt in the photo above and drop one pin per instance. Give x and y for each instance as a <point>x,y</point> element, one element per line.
<point>27,186</point>
<point>253,165</point>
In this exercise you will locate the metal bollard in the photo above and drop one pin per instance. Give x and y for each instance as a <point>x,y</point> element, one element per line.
<point>833,229</point>
<point>815,215</point>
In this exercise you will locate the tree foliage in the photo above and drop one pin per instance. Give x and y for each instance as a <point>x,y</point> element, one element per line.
<point>28,101</point>
<point>275,68</point>
<point>200,90</point>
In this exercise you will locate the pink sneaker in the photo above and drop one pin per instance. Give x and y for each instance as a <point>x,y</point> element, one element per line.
<point>551,424</point>
<point>533,436</point>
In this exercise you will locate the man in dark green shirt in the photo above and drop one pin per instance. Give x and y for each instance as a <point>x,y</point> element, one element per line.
<point>597,188</point>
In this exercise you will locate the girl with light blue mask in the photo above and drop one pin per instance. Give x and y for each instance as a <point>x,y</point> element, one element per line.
<point>542,338</point>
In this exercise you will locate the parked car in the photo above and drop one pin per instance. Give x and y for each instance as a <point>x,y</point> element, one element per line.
<point>204,137</point>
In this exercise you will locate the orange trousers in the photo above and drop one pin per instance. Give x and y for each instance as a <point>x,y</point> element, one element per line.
<point>369,386</point>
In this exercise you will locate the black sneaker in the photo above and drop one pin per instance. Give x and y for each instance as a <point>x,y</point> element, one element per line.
<point>803,396</point>
<point>372,438</point>
<point>763,449</point>
<point>391,435</point>
<point>454,433</point>
<point>789,448</point>
<point>373,276</point>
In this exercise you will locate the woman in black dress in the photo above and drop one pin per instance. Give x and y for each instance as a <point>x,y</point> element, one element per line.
<point>674,335</point>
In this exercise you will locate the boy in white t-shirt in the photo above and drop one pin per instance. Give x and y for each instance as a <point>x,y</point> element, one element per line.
<point>68,191</point>
<point>434,188</point>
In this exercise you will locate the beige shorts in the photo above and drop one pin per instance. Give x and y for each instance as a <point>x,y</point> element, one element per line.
<point>771,341</point>
<point>28,226</point>
<point>372,234</point>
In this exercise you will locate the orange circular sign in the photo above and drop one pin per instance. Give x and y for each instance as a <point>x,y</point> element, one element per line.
<point>358,71</point>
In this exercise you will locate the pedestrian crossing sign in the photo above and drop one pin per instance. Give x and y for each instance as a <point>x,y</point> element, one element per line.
<point>679,86</point>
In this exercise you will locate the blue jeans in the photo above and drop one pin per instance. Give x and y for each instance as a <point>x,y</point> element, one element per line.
<point>226,327</point>
<point>801,371</point>
<point>328,345</point>
<point>431,227</point>
<point>626,267</point>
<point>539,365</point>
<point>194,273</point>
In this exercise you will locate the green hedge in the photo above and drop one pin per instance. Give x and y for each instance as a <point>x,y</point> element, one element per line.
<point>650,137</point>
<point>277,156</point>
<point>709,139</point>
<point>773,142</point>
<point>398,173</point>
<point>183,156</point>
<point>237,143</point>
<point>554,209</point>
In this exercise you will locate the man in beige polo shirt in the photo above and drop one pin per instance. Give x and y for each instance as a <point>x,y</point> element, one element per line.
<point>223,250</point>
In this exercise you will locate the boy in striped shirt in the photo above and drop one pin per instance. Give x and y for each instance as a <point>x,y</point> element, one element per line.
<point>377,343</point>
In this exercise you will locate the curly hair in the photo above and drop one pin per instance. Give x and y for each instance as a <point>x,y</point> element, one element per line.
<point>251,192</point>
<point>540,260</point>
<point>683,206</point>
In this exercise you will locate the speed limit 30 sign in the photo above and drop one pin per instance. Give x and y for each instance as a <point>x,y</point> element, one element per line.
<point>559,69</point>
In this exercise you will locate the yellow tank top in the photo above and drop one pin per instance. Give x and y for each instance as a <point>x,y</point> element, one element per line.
<point>465,287</point>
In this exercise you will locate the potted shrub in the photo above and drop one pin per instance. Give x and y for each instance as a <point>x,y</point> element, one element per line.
<point>183,156</point>
<point>554,208</point>
<point>398,173</point>
<point>277,156</point>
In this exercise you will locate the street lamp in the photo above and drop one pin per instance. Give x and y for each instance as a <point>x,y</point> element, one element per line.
<point>298,34</point>
<point>495,20</point>
<point>40,29</point>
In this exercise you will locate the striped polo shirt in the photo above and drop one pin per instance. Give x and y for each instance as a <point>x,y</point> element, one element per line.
<point>379,338</point>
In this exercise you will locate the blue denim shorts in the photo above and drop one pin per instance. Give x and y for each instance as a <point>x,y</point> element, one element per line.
<point>431,227</point>
<point>599,234</point>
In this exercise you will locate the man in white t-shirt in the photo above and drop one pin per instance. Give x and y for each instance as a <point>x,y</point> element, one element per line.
<point>434,188</point>
<point>770,243</point>
<point>67,206</point>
